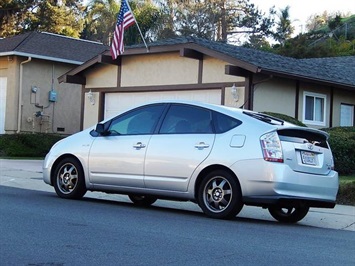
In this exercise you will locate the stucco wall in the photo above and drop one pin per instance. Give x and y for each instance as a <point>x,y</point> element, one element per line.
<point>158,69</point>
<point>102,76</point>
<point>91,107</point>
<point>275,95</point>
<point>214,71</point>
<point>62,116</point>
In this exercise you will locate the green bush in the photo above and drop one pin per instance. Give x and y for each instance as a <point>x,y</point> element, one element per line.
<point>27,145</point>
<point>342,143</point>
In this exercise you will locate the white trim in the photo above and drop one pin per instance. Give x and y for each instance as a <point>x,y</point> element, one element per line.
<point>314,95</point>
<point>49,58</point>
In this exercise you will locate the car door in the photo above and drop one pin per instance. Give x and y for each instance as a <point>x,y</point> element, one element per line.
<point>117,157</point>
<point>185,140</point>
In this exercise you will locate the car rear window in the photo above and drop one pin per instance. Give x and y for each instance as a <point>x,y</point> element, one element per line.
<point>224,123</point>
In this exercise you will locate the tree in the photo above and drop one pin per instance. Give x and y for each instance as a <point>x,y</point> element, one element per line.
<point>316,21</point>
<point>100,20</point>
<point>11,15</point>
<point>220,20</point>
<point>102,16</point>
<point>148,17</point>
<point>240,18</point>
<point>284,27</point>
<point>334,23</point>
<point>61,17</point>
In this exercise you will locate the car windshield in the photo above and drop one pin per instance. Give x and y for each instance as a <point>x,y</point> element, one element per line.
<point>265,118</point>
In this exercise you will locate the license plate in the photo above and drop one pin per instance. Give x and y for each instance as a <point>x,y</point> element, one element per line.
<point>308,158</point>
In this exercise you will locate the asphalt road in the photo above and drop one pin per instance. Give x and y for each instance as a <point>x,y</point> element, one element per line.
<point>38,228</point>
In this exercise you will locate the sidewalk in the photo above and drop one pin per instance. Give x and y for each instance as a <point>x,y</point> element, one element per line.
<point>27,174</point>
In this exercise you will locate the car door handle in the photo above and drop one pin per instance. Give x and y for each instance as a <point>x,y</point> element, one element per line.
<point>201,145</point>
<point>139,145</point>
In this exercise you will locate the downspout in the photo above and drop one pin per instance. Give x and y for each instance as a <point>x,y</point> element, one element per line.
<point>20,95</point>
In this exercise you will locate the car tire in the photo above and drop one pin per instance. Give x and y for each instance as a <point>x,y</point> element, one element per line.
<point>68,179</point>
<point>288,214</point>
<point>141,200</point>
<point>219,195</point>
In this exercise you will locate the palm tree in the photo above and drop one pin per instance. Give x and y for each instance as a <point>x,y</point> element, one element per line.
<point>100,20</point>
<point>284,28</point>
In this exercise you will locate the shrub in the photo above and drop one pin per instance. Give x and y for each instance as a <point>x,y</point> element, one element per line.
<point>342,143</point>
<point>27,145</point>
<point>346,194</point>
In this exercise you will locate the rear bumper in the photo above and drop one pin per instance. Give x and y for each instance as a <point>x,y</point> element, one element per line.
<point>286,201</point>
<point>276,183</point>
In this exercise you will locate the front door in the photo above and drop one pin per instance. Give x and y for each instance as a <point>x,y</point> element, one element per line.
<point>117,158</point>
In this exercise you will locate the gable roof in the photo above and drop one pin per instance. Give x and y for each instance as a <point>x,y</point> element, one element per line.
<point>336,71</point>
<point>52,47</point>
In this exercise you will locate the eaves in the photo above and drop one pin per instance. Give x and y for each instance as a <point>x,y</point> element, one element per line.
<point>48,58</point>
<point>307,79</point>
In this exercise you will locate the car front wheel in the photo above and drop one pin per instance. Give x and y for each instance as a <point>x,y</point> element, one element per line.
<point>219,195</point>
<point>288,214</point>
<point>68,179</point>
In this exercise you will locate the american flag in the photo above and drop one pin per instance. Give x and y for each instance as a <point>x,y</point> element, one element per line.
<point>125,19</point>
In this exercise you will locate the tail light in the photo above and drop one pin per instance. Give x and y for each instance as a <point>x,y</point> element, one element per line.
<point>271,147</point>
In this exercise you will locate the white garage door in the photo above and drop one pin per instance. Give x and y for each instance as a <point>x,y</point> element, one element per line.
<point>118,102</point>
<point>3,84</point>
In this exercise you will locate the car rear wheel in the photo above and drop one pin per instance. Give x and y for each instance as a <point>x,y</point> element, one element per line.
<point>141,200</point>
<point>68,179</point>
<point>288,214</point>
<point>219,195</point>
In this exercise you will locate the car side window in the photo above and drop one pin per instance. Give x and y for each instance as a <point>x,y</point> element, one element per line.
<point>139,121</point>
<point>185,119</point>
<point>224,123</point>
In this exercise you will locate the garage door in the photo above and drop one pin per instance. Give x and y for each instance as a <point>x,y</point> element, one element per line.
<point>118,102</point>
<point>3,84</point>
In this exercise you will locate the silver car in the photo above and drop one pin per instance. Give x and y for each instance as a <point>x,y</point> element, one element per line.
<point>218,157</point>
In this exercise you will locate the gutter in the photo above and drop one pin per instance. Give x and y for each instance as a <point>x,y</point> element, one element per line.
<point>20,95</point>
<point>49,58</point>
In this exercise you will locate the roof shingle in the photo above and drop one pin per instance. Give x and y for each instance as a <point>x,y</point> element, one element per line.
<point>54,46</point>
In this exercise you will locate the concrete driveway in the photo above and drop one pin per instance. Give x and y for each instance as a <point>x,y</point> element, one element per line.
<point>27,174</point>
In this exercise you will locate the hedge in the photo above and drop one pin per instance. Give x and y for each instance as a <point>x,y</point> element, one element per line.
<point>27,145</point>
<point>342,143</point>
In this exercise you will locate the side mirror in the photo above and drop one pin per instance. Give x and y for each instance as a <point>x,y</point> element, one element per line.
<point>100,128</point>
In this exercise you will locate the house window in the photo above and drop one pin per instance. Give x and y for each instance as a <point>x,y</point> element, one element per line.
<point>346,115</point>
<point>314,108</point>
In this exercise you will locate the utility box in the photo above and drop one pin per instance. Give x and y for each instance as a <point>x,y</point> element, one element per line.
<point>52,96</point>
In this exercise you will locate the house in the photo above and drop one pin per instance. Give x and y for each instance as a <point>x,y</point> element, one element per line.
<point>318,92</point>
<point>31,99</point>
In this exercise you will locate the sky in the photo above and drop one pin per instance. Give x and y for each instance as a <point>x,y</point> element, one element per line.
<point>301,10</point>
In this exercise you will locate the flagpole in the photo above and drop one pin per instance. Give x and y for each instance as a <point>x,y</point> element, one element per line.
<point>139,29</point>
